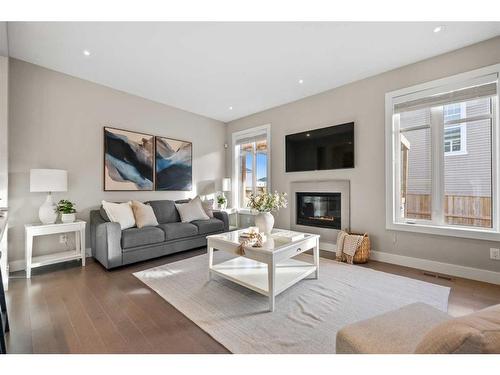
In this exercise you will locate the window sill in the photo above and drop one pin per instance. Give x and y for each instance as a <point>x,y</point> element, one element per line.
<point>465,232</point>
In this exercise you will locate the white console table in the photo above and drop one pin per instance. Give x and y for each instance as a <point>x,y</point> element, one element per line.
<point>38,229</point>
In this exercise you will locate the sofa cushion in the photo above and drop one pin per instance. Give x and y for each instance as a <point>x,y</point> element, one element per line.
<point>208,206</point>
<point>144,215</point>
<point>476,333</point>
<point>165,211</point>
<point>191,211</point>
<point>209,226</point>
<point>134,237</point>
<point>178,230</point>
<point>395,332</point>
<point>120,213</point>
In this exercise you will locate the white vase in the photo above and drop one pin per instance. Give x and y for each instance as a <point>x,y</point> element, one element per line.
<point>264,221</point>
<point>47,212</point>
<point>68,218</point>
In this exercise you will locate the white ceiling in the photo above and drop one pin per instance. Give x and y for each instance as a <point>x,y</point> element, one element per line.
<point>206,68</point>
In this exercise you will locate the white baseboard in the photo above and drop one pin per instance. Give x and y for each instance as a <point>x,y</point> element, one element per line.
<point>438,267</point>
<point>428,265</point>
<point>20,265</point>
<point>327,246</point>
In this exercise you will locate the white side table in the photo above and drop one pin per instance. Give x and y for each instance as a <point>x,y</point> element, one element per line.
<point>229,212</point>
<point>38,229</point>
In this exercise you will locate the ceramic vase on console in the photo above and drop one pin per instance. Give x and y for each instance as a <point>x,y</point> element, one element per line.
<point>264,221</point>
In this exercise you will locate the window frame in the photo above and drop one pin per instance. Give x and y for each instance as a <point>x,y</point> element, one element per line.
<point>236,136</point>
<point>392,159</point>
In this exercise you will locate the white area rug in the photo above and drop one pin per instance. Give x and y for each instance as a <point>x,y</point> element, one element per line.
<point>307,316</point>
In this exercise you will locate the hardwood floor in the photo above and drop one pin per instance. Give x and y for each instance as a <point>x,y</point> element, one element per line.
<point>70,309</point>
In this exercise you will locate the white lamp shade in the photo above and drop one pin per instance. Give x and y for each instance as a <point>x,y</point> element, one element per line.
<point>226,184</point>
<point>48,180</point>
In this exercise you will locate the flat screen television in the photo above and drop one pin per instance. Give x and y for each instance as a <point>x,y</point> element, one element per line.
<point>325,148</point>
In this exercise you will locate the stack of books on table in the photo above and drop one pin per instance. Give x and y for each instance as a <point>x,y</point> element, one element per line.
<point>288,236</point>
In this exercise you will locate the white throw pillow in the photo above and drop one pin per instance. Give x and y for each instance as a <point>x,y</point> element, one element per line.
<point>192,211</point>
<point>120,213</point>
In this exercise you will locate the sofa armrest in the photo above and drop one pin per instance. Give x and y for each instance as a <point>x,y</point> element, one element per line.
<point>105,241</point>
<point>221,215</point>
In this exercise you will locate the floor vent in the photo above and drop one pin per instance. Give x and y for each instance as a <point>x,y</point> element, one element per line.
<point>437,276</point>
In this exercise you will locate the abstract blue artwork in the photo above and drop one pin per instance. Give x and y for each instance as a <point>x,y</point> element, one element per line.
<point>173,166</point>
<point>128,160</point>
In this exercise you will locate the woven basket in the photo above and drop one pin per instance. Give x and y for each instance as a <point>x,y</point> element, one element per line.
<point>363,251</point>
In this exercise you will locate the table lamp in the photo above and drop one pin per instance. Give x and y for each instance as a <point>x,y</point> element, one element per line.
<point>226,184</point>
<point>48,181</point>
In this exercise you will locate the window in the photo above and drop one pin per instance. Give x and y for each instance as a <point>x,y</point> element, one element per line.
<point>441,156</point>
<point>251,164</point>
<point>454,140</point>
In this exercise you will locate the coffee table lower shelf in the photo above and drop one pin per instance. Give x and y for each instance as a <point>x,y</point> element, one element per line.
<point>254,275</point>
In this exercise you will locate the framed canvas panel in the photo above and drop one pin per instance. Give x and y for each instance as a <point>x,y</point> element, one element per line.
<point>173,165</point>
<point>128,160</point>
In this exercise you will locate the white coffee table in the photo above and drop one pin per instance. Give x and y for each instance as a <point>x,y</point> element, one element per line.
<point>268,270</point>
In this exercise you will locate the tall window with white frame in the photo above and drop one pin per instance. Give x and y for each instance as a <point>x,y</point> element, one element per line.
<point>251,164</point>
<point>443,144</point>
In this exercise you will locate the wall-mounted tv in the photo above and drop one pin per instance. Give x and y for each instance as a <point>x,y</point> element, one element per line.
<point>325,148</point>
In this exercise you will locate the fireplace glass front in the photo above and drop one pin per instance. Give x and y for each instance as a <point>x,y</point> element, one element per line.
<point>318,210</point>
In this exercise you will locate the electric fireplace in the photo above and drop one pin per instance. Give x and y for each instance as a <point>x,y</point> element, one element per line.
<point>319,209</point>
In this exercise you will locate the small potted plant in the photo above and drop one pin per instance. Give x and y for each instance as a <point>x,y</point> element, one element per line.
<point>221,201</point>
<point>67,211</point>
<point>264,204</point>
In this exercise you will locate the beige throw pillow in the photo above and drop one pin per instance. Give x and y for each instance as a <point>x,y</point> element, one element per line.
<point>478,332</point>
<point>208,206</point>
<point>144,215</point>
<point>192,211</point>
<point>120,213</point>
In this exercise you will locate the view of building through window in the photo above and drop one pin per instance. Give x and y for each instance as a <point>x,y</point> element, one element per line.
<point>466,172</point>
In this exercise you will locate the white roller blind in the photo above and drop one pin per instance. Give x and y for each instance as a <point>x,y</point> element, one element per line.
<point>251,139</point>
<point>462,95</point>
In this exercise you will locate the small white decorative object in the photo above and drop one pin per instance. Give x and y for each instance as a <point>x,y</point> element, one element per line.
<point>48,181</point>
<point>68,218</point>
<point>265,222</point>
<point>288,236</point>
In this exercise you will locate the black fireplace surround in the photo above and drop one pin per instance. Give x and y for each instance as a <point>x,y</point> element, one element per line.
<point>318,210</point>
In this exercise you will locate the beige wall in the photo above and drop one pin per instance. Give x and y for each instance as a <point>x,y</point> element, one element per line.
<point>363,102</point>
<point>56,121</point>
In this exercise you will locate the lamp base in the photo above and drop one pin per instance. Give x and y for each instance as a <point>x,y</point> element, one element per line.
<point>47,212</point>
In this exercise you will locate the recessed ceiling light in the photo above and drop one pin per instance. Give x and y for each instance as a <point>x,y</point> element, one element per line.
<point>86,52</point>
<point>437,29</point>
<point>301,81</point>
<point>308,135</point>
<point>230,108</point>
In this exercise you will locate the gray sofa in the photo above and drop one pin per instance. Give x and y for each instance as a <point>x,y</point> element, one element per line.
<point>114,247</point>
